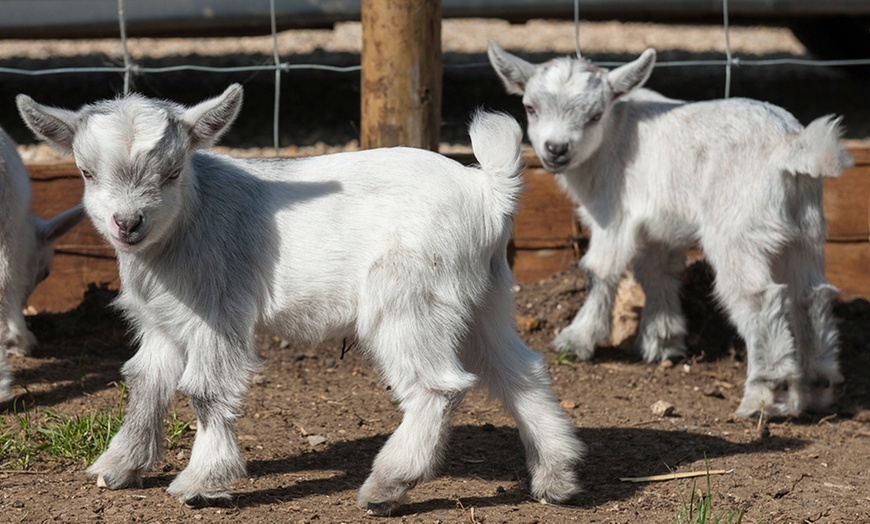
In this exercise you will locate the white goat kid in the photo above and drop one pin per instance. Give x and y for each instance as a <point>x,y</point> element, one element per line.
<point>26,253</point>
<point>652,176</point>
<point>401,248</point>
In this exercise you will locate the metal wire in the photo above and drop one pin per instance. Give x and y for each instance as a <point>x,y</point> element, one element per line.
<point>577,27</point>
<point>277,58</point>
<point>728,59</point>
<point>130,69</point>
<point>128,60</point>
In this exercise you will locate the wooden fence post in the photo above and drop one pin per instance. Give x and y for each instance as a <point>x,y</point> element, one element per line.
<point>401,73</point>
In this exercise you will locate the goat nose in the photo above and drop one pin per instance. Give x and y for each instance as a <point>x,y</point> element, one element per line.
<point>127,223</point>
<point>556,148</point>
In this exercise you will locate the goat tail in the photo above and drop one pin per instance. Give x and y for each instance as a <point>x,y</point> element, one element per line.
<point>817,151</point>
<point>495,141</point>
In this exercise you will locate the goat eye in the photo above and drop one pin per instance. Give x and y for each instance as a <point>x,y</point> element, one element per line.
<point>530,110</point>
<point>174,174</point>
<point>86,174</point>
<point>594,118</point>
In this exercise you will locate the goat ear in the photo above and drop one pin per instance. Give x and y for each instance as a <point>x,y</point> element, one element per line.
<point>632,75</point>
<point>513,70</point>
<point>210,119</point>
<point>53,125</point>
<point>51,230</point>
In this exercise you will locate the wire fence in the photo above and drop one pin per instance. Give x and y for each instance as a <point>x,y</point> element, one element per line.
<point>130,69</point>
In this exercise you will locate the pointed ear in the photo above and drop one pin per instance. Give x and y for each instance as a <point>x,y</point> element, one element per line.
<point>51,230</point>
<point>632,75</point>
<point>210,119</point>
<point>513,70</point>
<point>53,125</point>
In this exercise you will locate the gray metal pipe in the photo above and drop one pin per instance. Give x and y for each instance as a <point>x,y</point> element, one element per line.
<point>98,18</point>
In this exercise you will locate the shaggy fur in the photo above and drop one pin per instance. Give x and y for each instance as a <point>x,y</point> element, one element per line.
<point>402,249</point>
<point>652,176</point>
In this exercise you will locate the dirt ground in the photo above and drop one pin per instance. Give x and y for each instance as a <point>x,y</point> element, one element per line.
<point>314,421</point>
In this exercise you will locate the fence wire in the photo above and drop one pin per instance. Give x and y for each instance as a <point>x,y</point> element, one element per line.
<point>131,69</point>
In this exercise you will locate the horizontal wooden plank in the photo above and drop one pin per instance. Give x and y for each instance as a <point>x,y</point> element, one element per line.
<point>547,238</point>
<point>846,265</point>
<point>545,218</point>
<point>846,200</point>
<point>533,265</point>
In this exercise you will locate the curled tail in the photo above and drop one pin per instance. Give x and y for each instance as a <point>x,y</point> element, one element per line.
<point>495,141</point>
<point>817,151</point>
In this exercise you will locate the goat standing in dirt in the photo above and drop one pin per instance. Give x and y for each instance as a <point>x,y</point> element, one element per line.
<point>653,176</point>
<point>26,254</point>
<point>402,249</point>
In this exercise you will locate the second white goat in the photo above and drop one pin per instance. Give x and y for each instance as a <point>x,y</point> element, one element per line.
<point>403,249</point>
<point>26,254</point>
<point>653,176</point>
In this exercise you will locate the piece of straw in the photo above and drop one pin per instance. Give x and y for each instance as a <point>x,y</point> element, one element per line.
<point>674,476</point>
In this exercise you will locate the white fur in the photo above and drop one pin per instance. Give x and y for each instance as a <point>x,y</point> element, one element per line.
<point>401,249</point>
<point>652,176</point>
<point>26,252</point>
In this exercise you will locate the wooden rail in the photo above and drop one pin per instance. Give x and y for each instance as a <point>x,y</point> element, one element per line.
<point>547,238</point>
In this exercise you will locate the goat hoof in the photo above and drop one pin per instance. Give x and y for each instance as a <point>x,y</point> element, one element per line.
<point>115,482</point>
<point>380,509</point>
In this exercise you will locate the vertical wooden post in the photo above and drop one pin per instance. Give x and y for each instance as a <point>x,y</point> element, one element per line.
<point>401,73</point>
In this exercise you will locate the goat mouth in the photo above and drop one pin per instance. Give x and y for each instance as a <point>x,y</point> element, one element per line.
<point>555,164</point>
<point>126,243</point>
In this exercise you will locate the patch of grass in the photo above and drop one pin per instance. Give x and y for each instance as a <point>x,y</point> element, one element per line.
<point>17,452</point>
<point>78,439</point>
<point>177,428</point>
<point>699,509</point>
<point>566,358</point>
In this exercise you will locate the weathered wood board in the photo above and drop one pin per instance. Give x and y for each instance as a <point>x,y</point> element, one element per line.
<point>547,238</point>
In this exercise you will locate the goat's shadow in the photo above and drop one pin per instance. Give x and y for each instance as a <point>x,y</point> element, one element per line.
<point>79,351</point>
<point>496,454</point>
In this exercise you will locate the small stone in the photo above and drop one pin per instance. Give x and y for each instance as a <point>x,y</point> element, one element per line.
<point>662,408</point>
<point>713,391</point>
<point>528,324</point>
<point>316,440</point>
<point>568,404</point>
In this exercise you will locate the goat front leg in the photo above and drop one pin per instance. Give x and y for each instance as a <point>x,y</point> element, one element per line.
<point>215,379</point>
<point>152,377</point>
<point>662,331</point>
<point>606,262</point>
<point>5,379</point>
<point>19,340</point>
<point>5,312</point>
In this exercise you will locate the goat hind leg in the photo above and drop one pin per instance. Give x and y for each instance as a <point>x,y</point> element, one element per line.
<point>822,380</point>
<point>412,452</point>
<point>418,358</point>
<point>517,376</point>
